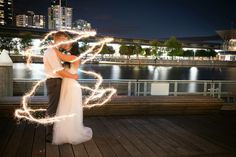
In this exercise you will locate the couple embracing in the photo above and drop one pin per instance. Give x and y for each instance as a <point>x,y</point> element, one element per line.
<point>64,94</point>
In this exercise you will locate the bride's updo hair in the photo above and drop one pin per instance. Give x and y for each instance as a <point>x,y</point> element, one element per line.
<point>75,49</point>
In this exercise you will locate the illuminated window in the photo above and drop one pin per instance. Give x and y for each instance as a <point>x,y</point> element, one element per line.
<point>1,22</point>
<point>232,45</point>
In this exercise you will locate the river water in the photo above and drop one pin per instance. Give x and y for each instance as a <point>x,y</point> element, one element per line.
<point>149,72</point>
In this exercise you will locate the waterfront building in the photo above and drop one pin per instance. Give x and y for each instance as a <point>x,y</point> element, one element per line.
<point>30,19</point>
<point>6,12</point>
<point>229,44</point>
<point>59,15</point>
<point>81,25</point>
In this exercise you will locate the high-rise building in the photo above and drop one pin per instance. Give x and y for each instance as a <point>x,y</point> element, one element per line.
<point>6,12</point>
<point>59,16</point>
<point>30,20</point>
<point>81,25</point>
<point>22,20</point>
<point>39,21</point>
<point>57,2</point>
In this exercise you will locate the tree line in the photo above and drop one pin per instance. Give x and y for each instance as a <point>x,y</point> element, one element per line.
<point>172,47</point>
<point>16,45</point>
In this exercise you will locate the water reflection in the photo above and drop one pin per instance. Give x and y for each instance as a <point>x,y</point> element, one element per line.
<point>192,76</point>
<point>137,72</point>
<point>115,72</point>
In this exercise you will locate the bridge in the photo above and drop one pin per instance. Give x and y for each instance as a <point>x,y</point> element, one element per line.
<point>204,42</point>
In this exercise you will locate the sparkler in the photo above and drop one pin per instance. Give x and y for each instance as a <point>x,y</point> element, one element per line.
<point>97,93</point>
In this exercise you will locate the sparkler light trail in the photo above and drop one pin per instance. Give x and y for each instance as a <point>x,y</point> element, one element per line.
<point>90,101</point>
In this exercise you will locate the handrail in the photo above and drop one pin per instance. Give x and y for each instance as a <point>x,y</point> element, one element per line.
<point>134,80</point>
<point>135,87</point>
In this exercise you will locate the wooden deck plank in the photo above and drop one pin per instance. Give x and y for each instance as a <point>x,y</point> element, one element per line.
<point>163,136</point>
<point>100,138</point>
<point>92,149</point>
<point>26,143</point>
<point>115,141</point>
<point>39,145</point>
<point>145,150</point>
<point>6,132</point>
<point>197,126</point>
<point>52,150</point>
<point>13,143</point>
<point>160,137</point>
<point>79,150</point>
<point>123,140</point>
<point>129,123</point>
<point>186,136</point>
<point>66,150</point>
<point>219,135</point>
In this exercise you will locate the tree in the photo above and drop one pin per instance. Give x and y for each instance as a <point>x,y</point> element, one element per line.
<point>127,50</point>
<point>147,52</point>
<point>201,53</point>
<point>8,44</point>
<point>211,53</point>
<point>138,50</point>
<point>107,50</point>
<point>206,53</point>
<point>26,41</point>
<point>47,42</point>
<point>156,50</point>
<point>84,46</point>
<point>173,47</point>
<point>188,53</point>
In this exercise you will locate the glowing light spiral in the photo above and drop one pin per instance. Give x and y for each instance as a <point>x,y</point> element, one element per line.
<point>97,95</point>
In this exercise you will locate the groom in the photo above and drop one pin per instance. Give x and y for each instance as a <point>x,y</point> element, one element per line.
<point>55,72</point>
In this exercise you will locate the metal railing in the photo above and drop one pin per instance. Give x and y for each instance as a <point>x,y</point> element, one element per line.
<point>215,88</point>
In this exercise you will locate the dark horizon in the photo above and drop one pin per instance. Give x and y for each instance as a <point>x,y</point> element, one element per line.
<point>152,19</point>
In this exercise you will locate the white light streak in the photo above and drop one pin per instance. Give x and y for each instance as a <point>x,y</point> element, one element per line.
<point>96,93</point>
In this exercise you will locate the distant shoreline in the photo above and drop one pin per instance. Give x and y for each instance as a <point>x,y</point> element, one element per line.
<point>181,63</point>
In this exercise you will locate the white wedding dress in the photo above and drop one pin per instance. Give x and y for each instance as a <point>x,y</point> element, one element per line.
<point>70,130</point>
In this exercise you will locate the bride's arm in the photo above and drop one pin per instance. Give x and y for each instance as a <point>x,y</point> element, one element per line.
<point>64,57</point>
<point>76,64</point>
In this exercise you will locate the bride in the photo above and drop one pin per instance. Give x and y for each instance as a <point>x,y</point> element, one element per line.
<point>71,129</point>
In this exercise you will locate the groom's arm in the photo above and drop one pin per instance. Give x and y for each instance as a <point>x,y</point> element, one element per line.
<point>64,57</point>
<point>51,58</point>
<point>64,73</point>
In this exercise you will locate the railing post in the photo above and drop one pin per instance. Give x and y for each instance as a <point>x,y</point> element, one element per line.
<point>213,89</point>
<point>219,90</point>
<point>205,89</point>
<point>129,88</point>
<point>145,89</point>
<point>175,88</point>
<point>44,89</point>
<point>138,88</point>
<point>135,88</point>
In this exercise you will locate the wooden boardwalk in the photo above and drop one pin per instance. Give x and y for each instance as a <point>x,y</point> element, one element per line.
<point>132,136</point>
<point>131,105</point>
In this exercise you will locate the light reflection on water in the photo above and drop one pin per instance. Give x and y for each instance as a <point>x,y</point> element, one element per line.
<point>192,76</point>
<point>149,72</point>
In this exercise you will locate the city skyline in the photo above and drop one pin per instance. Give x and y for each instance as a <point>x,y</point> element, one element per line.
<point>152,19</point>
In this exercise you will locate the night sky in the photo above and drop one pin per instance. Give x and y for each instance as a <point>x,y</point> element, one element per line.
<point>147,19</point>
